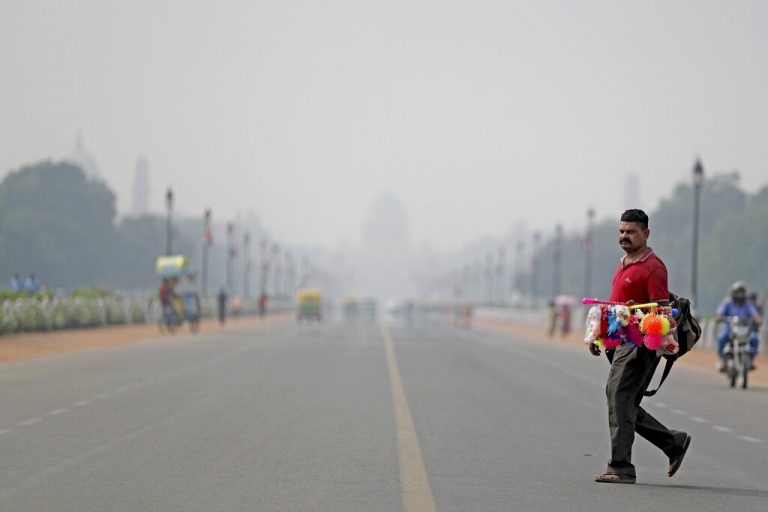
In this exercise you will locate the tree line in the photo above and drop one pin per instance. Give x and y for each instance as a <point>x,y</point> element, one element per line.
<point>61,225</point>
<point>733,244</point>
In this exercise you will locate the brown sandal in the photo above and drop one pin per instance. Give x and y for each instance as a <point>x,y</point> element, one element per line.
<point>612,477</point>
<point>674,463</point>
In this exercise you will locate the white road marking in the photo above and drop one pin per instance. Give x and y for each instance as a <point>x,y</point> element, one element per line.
<point>679,411</point>
<point>699,419</point>
<point>661,405</point>
<point>82,403</point>
<point>101,396</point>
<point>751,439</point>
<point>56,412</point>
<point>29,422</point>
<point>720,428</point>
<point>4,431</point>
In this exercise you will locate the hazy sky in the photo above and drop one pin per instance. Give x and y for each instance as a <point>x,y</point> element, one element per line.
<point>475,114</point>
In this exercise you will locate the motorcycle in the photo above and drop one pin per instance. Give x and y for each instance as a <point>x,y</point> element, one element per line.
<point>737,353</point>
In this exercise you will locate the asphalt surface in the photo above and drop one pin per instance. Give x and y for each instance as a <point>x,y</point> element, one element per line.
<point>335,417</point>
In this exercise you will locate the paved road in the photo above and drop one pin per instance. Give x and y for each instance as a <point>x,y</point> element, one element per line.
<point>357,418</point>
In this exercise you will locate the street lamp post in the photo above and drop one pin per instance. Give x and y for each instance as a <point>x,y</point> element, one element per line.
<point>516,281</point>
<point>264,267</point>
<point>478,281</point>
<point>557,260</point>
<point>230,255</point>
<point>289,274</point>
<point>276,270</point>
<point>207,240</point>
<point>501,267</point>
<point>698,181</point>
<point>304,272</point>
<point>489,279</point>
<point>246,265</point>
<point>535,268</point>
<point>169,227</point>
<point>588,253</point>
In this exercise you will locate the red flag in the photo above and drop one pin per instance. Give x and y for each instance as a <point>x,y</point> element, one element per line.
<point>207,236</point>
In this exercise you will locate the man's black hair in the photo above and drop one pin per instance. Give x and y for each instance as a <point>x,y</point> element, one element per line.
<point>638,216</point>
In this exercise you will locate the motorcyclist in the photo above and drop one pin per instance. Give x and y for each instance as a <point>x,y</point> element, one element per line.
<point>737,306</point>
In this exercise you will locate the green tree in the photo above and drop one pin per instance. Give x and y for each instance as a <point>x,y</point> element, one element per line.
<point>57,223</point>
<point>735,249</point>
<point>733,244</point>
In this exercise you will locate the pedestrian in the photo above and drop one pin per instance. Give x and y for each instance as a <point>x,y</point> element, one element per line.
<point>16,283</point>
<point>32,285</point>
<point>222,302</point>
<point>565,320</point>
<point>166,294</point>
<point>551,318</point>
<point>262,305</point>
<point>640,278</point>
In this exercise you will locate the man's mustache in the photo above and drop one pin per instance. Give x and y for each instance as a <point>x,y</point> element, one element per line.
<point>625,240</point>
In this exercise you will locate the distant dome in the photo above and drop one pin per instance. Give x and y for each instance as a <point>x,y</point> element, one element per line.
<point>384,267</point>
<point>386,227</point>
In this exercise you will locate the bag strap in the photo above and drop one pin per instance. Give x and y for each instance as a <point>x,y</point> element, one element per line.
<point>667,368</point>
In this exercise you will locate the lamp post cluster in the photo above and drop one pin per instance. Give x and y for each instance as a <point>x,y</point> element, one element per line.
<point>169,222</point>
<point>485,280</point>
<point>587,246</point>
<point>278,272</point>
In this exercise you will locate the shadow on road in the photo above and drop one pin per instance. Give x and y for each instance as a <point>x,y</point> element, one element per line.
<point>714,490</point>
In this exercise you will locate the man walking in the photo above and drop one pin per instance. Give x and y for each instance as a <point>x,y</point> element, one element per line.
<point>641,277</point>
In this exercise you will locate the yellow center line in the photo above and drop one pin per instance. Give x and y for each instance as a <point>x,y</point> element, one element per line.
<point>416,493</point>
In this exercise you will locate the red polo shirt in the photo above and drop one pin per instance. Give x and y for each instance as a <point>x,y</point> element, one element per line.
<point>643,281</point>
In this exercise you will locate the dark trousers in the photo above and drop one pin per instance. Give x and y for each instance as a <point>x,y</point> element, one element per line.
<point>631,372</point>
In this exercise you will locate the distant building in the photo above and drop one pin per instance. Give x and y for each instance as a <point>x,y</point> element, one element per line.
<point>385,250</point>
<point>386,228</point>
<point>632,191</point>
<point>141,188</point>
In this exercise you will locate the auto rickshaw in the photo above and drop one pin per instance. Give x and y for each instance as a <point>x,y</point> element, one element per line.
<point>308,305</point>
<point>184,300</point>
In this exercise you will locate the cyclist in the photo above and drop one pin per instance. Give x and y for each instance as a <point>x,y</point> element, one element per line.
<point>167,295</point>
<point>737,306</point>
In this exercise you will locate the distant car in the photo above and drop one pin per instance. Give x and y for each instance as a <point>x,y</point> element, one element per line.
<point>369,309</point>
<point>400,308</point>
<point>351,309</point>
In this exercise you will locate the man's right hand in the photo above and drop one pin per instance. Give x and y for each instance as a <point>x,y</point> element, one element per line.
<point>594,349</point>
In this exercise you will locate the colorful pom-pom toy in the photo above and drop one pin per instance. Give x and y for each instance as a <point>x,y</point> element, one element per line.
<point>609,324</point>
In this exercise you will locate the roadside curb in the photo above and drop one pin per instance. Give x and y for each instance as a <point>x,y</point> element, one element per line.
<point>25,346</point>
<point>698,360</point>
